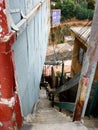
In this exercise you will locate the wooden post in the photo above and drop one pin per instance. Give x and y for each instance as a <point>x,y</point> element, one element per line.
<point>88,71</point>
<point>62,74</point>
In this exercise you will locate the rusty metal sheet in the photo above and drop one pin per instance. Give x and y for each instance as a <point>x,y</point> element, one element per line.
<point>81,98</point>
<point>88,69</point>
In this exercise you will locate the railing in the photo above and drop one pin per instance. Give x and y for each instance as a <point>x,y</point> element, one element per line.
<point>66,105</point>
<point>68,85</point>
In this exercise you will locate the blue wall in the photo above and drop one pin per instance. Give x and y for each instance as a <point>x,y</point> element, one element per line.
<point>30,50</point>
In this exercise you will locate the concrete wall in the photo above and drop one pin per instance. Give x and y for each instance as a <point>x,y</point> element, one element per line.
<point>30,49</point>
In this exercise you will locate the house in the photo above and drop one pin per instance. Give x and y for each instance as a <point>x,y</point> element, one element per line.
<point>82,35</point>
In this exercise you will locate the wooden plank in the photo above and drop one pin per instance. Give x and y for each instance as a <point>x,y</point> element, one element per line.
<point>69,84</point>
<point>66,105</point>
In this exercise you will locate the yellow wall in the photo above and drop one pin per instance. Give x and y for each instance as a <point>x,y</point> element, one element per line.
<point>76,67</point>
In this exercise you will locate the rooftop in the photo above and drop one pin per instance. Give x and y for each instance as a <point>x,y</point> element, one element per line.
<point>82,32</point>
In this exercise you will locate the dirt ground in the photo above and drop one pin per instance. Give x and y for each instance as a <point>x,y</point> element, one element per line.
<point>74,22</point>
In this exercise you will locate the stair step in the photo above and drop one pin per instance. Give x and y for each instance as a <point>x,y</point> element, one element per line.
<point>66,105</point>
<point>48,118</point>
<point>59,126</point>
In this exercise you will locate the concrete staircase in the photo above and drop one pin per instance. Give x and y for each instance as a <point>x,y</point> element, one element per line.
<point>47,118</point>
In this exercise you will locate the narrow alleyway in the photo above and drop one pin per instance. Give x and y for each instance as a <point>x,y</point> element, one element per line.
<point>47,118</point>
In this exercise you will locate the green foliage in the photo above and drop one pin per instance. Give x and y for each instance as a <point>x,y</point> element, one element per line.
<point>90,14</point>
<point>66,31</point>
<point>83,4</point>
<point>58,5</point>
<point>82,10</point>
<point>61,41</point>
<point>58,74</point>
<point>91,4</point>
<point>57,0</point>
<point>68,9</point>
<point>52,7</point>
<point>62,18</point>
<point>83,13</point>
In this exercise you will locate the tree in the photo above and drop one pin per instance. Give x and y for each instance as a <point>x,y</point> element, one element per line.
<point>82,12</point>
<point>91,4</point>
<point>68,8</point>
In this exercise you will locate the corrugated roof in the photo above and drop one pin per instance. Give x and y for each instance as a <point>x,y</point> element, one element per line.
<point>82,32</point>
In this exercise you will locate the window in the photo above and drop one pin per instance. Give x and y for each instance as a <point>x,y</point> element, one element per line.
<point>81,55</point>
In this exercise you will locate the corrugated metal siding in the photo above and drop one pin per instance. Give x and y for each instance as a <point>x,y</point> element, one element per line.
<point>30,50</point>
<point>82,32</point>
